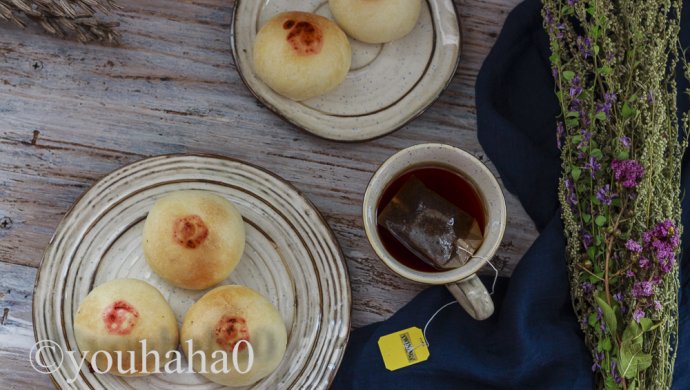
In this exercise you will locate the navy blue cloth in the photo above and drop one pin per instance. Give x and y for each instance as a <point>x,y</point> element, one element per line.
<point>533,340</point>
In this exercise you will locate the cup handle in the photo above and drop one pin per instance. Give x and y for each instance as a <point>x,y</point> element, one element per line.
<point>473,297</point>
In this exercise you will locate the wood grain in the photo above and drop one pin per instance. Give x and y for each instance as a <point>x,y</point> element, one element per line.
<point>16,332</point>
<point>70,113</point>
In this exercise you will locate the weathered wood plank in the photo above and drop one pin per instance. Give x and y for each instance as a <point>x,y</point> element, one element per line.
<point>71,113</point>
<point>16,332</point>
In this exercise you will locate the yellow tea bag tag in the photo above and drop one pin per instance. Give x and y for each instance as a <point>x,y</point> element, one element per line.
<point>403,348</point>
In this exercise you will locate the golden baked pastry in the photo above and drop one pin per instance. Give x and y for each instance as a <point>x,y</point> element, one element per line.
<point>224,317</point>
<point>116,316</point>
<point>301,55</point>
<point>376,21</point>
<point>193,239</point>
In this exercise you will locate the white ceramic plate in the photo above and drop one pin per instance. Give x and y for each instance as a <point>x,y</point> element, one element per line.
<point>291,257</point>
<point>388,85</point>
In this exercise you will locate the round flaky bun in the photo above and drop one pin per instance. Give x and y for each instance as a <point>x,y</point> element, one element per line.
<point>117,316</point>
<point>301,55</point>
<point>193,239</point>
<point>376,21</point>
<point>220,320</point>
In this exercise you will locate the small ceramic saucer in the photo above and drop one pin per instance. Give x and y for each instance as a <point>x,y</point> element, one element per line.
<point>388,84</point>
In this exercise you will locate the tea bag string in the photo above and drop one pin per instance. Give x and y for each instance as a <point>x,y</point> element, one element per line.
<point>440,309</point>
<point>493,285</point>
<point>432,318</point>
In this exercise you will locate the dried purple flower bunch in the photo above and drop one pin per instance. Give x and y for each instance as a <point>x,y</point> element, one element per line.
<point>64,18</point>
<point>614,66</point>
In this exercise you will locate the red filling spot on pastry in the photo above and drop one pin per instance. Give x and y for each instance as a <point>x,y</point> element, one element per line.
<point>229,331</point>
<point>120,318</point>
<point>190,231</point>
<point>304,37</point>
<point>288,24</point>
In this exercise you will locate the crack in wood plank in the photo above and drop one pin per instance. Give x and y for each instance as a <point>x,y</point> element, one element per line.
<point>75,146</point>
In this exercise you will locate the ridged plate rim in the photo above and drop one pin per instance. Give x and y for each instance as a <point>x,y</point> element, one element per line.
<point>339,128</point>
<point>337,259</point>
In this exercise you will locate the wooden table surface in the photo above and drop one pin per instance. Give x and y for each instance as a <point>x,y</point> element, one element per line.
<point>71,113</point>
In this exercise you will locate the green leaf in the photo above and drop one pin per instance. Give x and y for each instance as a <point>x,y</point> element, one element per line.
<point>592,252</point>
<point>592,320</point>
<point>632,359</point>
<point>610,384</point>
<point>623,155</point>
<point>596,49</point>
<point>605,344</point>
<point>572,122</point>
<point>627,111</point>
<point>600,220</point>
<point>595,32</point>
<point>586,218</point>
<point>609,315</point>
<point>576,139</point>
<point>596,153</point>
<point>631,332</point>
<point>576,173</point>
<point>598,240</point>
<point>554,58</point>
<point>600,116</point>
<point>573,114</point>
<point>605,70</point>
<point>646,323</point>
<point>645,361</point>
<point>568,75</point>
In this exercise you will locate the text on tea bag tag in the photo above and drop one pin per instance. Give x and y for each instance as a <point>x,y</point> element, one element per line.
<point>403,348</point>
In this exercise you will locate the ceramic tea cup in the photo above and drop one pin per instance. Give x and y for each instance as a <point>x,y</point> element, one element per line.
<point>462,282</point>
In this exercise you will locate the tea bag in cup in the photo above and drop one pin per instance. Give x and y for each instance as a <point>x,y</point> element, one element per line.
<point>431,227</point>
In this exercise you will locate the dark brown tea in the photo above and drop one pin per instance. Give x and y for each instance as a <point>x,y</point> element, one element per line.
<point>446,183</point>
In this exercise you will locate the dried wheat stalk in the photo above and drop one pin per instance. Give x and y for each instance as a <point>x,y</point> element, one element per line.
<point>64,18</point>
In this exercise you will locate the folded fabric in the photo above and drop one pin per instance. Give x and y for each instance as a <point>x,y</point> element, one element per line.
<point>533,340</point>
